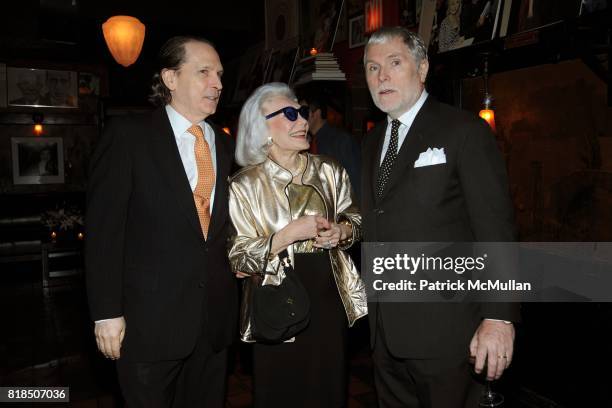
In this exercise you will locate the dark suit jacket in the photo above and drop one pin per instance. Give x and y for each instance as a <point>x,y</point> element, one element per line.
<point>146,257</point>
<point>464,200</point>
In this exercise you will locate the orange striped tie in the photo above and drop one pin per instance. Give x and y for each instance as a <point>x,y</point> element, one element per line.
<point>206,177</point>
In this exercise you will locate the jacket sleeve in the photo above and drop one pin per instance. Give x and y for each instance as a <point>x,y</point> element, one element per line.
<point>485,186</point>
<point>346,207</point>
<point>250,250</point>
<point>108,195</point>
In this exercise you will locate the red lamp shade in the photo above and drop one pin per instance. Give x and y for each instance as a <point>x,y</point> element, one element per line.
<point>373,15</point>
<point>124,36</point>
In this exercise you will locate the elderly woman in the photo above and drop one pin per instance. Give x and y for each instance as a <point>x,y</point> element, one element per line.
<point>286,199</point>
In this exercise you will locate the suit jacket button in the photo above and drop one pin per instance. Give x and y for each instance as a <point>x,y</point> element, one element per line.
<point>379,211</point>
<point>201,284</point>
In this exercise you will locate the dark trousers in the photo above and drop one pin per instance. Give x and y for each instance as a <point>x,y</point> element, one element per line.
<point>422,383</point>
<point>196,381</point>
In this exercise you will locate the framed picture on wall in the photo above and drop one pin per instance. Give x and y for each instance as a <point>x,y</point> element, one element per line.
<point>37,160</point>
<point>527,15</point>
<point>282,66</point>
<point>326,22</point>
<point>281,24</point>
<point>410,13</point>
<point>357,31</point>
<point>89,84</point>
<point>42,87</point>
<point>454,24</point>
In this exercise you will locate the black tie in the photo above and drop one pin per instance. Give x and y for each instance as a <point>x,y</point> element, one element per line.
<point>390,156</point>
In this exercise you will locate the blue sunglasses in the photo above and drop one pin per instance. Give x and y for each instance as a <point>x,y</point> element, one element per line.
<point>291,113</point>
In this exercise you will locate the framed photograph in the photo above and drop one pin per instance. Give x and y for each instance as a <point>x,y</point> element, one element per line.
<point>410,13</point>
<point>42,87</point>
<point>592,6</point>
<point>456,23</point>
<point>327,20</point>
<point>282,66</point>
<point>253,65</point>
<point>527,15</point>
<point>357,31</point>
<point>281,24</point>
<point>89,84</point>
<point>38,160</point>
<point>342,30</point>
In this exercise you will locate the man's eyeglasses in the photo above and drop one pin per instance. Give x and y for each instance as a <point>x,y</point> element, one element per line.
<point>291,113</point>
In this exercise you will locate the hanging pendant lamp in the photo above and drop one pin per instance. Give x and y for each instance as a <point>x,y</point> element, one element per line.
<point>124,36</point>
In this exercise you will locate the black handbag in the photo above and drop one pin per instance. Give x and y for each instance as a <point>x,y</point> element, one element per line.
<point>279,312</point>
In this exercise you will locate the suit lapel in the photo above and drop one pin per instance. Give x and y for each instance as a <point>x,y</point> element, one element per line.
<point>224,161</point>
<point>171,168</point>
<point>411,148</point>
<point>379,137</point>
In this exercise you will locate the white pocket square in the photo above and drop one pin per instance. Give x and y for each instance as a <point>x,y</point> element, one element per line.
<point>431,157</point>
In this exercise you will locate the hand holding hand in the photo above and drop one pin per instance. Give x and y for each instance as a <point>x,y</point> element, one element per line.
<point>305,227</point>
<point>328,237</point>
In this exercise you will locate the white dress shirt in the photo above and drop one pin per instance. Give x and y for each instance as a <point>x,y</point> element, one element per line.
<point>406,121</point>
<point>185,142</point>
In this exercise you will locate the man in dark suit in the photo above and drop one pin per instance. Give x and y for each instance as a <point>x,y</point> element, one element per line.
<point>158,279</point>
<point>455,193</point>
<point>331,141</point>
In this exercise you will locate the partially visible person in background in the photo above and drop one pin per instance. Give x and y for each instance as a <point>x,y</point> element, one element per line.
<point>332,141</point>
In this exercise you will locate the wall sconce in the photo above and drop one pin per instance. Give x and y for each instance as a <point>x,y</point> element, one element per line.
<point>124,36</point>
<point>38,118</point>
<point>313,51</point>
<point>373,15</point>
<point>487,113</point>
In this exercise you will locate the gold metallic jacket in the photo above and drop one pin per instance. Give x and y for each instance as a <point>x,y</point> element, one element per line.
<point>259,207</point>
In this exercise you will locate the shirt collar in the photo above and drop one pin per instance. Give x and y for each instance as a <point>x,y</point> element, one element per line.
<point>408,117</point>
<point>179,123</point>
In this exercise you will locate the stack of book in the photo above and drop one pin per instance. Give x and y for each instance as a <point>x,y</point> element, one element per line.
<point>321,67</point>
